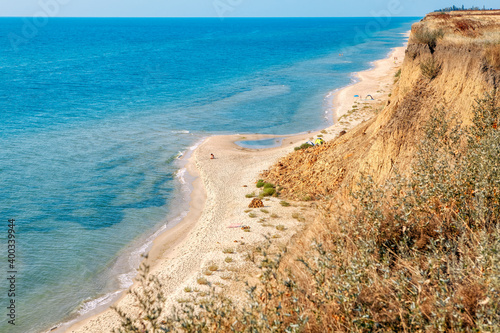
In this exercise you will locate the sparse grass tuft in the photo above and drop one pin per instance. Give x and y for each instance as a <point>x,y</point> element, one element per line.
<point>228,260</point>
<point>252,215</point>
<point>303,146</point>
<point>430,68</point>
<point>250,195</point>
<point>280,227</point>
<point>213,267</point>
<point>398,74</point>
<point>228,251</point>
<point>202,281</point>
<point>274,215</point>
<point>492,55</point>
<point>188,289</point>
<point>429,37</point>
<point>284,204</point>
<point>265,211</point>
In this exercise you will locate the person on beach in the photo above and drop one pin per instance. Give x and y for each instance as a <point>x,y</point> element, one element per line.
<point>212,157</point>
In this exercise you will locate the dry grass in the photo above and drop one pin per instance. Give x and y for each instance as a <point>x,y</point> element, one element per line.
<point>202,281</point>
<point>280,227</point>
<point>430,68</point>
<point>419,253</point>
<point>213,267</point>
<point>492,55</point>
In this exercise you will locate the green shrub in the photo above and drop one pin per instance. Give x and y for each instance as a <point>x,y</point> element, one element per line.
<point>430,68</point>
<point>267,192</point>
<point>303,146</point>
<point>260,183</point>
<point>250,195</point>
<point>268,185</point>
<point>284,203</point>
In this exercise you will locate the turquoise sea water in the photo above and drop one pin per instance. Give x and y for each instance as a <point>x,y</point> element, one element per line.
<point>93,113</point>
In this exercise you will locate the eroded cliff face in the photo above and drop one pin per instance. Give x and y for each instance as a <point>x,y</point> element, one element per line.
<point>464,62</point>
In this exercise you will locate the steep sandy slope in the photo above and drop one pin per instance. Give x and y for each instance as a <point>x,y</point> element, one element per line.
<point>464,52</point>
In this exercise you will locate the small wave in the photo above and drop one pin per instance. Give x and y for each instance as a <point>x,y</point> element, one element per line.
<point>181,132</point>
<point>180,175</point>
<point>90,305</point>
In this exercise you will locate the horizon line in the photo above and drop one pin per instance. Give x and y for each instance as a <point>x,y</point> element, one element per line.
<point>212,17</point>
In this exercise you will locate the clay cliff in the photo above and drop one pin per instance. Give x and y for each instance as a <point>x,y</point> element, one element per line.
<point>451,60</point>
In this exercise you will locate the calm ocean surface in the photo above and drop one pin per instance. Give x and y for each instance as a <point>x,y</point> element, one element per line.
<point>93,113</point>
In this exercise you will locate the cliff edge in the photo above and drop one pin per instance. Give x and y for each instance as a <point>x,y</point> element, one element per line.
<point>451,60</point>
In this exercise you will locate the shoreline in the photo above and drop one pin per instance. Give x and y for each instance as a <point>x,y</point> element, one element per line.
<point>179,255</point>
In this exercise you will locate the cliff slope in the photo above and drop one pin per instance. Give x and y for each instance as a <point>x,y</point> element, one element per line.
<point>461,54</point>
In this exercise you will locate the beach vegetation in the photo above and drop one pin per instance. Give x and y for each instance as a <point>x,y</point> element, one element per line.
<point>247,210</point>
<point>307,197</point>
<point>276,236</point>
<point>207,272</point>
<point>280,227</point>
<point>252,215</point>
<point>226,277</point>
<point>228,250</point>
<point>260,183</point>
<point>228,260</point>
<point>188,289</point>
<point>284,203</point>
<point>149,298</point>
<point>320,135</point>
<point>274,216</point>
<point>269,185</point>
<point>250,195</point>
<point>324,131</point>
<point>202,281</point>
<point>213,267</point>
<point>183,300</point>
<point>267,192</point>
<point>430,68</point>
<point>303,146</point>
<point>265,211</point>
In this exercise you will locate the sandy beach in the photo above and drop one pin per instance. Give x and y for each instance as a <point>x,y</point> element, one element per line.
<point>219,208</point>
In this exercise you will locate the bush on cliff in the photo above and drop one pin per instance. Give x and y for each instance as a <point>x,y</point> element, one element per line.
<point>428,37</point>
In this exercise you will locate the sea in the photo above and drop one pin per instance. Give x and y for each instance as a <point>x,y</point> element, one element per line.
<point>95,114</point>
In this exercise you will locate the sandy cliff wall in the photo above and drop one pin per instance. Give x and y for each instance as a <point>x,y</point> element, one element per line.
<point>463,53</point>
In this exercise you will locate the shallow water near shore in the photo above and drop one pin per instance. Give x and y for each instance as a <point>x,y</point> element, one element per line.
<point>94,113</point>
